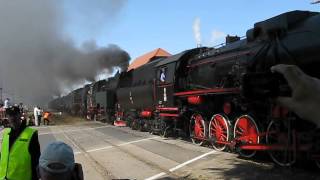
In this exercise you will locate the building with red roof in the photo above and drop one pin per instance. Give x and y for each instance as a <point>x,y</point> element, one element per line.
<point>148,57</point>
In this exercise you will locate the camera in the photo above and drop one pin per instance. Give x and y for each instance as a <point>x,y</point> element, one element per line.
<point>263,85</point>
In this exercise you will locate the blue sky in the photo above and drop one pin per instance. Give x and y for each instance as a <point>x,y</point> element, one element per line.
<point>142,25</point>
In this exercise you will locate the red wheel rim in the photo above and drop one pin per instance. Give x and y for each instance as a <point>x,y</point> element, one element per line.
<point>218,131</point>
<point>198,126</point>
<point>219,128</point>
<point>247,130</point>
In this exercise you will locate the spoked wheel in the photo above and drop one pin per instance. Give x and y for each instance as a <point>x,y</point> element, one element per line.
<point>135,125</point>
<point>219,131</point>
<point>165,132</point>
<point>163,128</point>
<point>146,125</point>
<point>278,135</point>
<point>129,121</point>
<point>132,124</point>
<point>141,125</point>
<point>158,126</point>
<point>197,129</point>
<point>246,130</point>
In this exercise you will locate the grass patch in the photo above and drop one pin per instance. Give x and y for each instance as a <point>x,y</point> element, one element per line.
<point>63,119</point>
<point>66,119</point>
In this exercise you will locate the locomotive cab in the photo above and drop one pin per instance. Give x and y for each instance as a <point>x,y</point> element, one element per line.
<point>164,84</point>
<point>168,81</point>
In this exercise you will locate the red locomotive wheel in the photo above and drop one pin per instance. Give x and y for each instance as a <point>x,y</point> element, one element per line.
<point>247,130</point>
<point>197,129</point>
<point>278,134</point>
<point>219,131</point>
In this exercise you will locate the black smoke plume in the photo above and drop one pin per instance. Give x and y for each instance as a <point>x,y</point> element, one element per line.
<point>39,61</point>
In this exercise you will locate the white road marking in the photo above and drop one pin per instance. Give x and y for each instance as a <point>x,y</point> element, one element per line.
<point>82,129</point>
<point>99,149</point>
<point>192,160</point>
<point>182,165</point>
<point>69,125</point>
<point>156,176</point>
<point>122,144</point>
<point>59,132</point>
<point>131,142</point>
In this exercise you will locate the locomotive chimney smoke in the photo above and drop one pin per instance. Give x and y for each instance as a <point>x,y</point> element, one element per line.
<point>315,1</point>
<point>196,31</point>
<point>38,60</point>
<point>217,37</point>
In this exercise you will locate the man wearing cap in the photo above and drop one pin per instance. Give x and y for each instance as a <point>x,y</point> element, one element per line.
<point>57,162</point>
<point>20,149</point>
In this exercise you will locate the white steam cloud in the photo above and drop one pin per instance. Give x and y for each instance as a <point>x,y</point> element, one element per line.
<point>217,37</point>
<point>196,31</point>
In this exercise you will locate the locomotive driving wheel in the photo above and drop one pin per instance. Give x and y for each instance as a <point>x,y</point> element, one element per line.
<point>135,125</point>
<point>218,131</point>
<point>163,128</point>
<point>247,132</point>
<point>279,134</point>
<point>158,126</point>
<point>197,129</point>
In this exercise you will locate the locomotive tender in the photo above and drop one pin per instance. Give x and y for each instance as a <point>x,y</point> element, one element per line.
<point>224,95</point>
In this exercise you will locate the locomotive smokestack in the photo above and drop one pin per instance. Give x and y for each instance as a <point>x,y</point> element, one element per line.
<point>231,39</point>
<point>196,31</point>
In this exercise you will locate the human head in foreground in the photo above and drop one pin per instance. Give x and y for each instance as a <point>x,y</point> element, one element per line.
<point>14,117</point>
<point>57,162</point>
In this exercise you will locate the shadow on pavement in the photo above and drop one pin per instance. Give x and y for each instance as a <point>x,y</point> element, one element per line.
<point>261,168</point>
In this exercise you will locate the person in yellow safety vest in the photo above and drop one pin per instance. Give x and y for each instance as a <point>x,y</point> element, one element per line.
<point>20,149</point>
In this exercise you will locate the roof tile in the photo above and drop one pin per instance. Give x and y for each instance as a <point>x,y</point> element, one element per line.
<point>141,60</point>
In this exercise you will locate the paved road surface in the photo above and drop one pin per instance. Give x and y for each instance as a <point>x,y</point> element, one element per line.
<point>108,152</point>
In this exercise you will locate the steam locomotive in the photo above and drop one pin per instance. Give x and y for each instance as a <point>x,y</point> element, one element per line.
<point>222,95</point>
